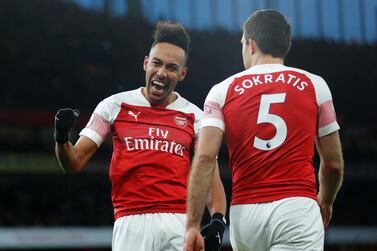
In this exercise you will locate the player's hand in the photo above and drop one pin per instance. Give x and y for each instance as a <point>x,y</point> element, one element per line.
<point>326,212</point>
<point>193,240</point>
<point>213,232</point>
<point>64,121</point>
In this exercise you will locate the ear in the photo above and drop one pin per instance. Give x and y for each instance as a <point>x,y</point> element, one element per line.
<point>253,46</point>
<point>145,63</point>
<point>183,73</point>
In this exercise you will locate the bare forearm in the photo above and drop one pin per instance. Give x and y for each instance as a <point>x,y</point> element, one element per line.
<point>331,168</point>
<point>217,200</point>
<point>67,157</point>
<point>201,179</point>
<point>217,204</point>
<point>330,181</point>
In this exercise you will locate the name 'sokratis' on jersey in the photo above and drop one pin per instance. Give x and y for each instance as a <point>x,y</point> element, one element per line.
<point>271,115</point>
<point>151,151</point>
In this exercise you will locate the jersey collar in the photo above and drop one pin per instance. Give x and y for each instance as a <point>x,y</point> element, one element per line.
<point>174,104</point>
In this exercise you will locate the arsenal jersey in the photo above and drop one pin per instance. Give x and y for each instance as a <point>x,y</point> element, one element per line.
<point>151,151</point>
<point>271,115</point>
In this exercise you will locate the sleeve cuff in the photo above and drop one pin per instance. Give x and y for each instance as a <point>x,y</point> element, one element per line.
<point>92,135</point>
<point>326,130</point>
<point>213,122</point>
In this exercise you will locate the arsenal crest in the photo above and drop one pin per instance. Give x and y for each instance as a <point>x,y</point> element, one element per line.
<point>180,121</point>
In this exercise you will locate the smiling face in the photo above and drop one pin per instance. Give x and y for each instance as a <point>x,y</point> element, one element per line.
<point>164,67</point>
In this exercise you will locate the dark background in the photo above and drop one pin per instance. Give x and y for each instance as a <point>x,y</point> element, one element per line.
<point>55,54</point>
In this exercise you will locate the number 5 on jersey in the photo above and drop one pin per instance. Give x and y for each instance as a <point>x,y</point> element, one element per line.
<point>265,117</point>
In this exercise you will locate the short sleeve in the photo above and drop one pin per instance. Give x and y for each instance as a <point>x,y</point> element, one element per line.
<point>213,114</point>
<point>99,124</point>
<point>326,119</point>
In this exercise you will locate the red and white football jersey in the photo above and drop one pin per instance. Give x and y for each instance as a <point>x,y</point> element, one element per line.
<point>271,115</point>
<point>151,151</point>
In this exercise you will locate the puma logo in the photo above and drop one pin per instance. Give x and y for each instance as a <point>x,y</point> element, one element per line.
<point>218,236</point>
<point>133,114</point>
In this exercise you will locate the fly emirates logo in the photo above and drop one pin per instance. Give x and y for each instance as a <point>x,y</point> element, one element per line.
<point>153,144</point>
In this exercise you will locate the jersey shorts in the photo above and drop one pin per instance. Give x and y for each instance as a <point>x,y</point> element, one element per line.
<point>149,232</point>
<point>284,225</point>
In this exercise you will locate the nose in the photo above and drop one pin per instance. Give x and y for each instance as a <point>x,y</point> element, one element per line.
<point>161,73</point>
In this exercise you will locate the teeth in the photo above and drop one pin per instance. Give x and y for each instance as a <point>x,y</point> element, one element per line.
<point>158,83</point>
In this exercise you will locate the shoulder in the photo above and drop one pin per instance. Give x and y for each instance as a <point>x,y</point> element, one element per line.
<point>110,107</point>
<point>314,78</point>
<point>321,88</point>
<point>132,97</point>
<point>185,106</point>
<point>219,91</point>
<point>224,85</point>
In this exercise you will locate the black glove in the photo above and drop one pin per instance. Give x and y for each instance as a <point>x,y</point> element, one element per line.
<point>213,232</point>
<point>64,121</point>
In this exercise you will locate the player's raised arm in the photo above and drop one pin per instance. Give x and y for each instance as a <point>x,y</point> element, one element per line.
<point>330,173</point>
<point>71,158</point>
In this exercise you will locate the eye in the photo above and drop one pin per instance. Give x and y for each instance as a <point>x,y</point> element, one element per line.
<point>156,62</point>
<point>173,67</point>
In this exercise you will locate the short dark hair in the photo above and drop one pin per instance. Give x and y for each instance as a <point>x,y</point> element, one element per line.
<point>270,30</point>
<point>172,33</point>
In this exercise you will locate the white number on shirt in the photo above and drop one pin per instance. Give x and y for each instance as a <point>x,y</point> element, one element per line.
<point>265,117</point>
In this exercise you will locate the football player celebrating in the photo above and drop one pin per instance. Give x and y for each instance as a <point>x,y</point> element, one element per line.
<point>154,132</point>
<point>272,116</point>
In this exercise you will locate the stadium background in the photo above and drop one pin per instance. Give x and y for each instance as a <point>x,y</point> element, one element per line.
<point>74,53</point>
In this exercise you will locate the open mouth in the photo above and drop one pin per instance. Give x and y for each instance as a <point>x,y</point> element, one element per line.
<point>157,87</point>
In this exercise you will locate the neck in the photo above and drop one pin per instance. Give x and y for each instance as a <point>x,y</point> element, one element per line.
<point>266,59</point>
<point>170,99</point>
